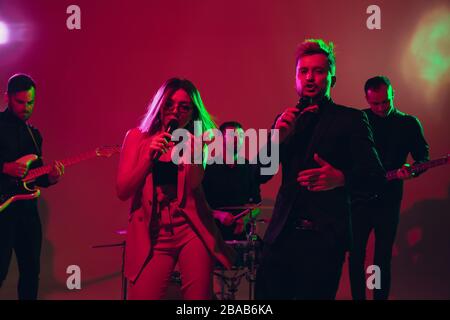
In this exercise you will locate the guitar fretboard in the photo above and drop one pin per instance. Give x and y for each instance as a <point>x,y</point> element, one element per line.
<point>392,175</point>
<point>99,152</point>
<point>35,173</point>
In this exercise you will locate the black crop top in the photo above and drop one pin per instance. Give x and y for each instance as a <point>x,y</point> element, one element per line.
<point>165,173</point>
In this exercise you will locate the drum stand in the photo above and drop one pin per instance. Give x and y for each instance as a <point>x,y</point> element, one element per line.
<point>251,273</point>
<point>124,279</point>
<point>232,283</point>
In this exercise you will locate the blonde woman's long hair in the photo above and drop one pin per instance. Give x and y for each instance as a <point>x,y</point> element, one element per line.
<point>151,123</point>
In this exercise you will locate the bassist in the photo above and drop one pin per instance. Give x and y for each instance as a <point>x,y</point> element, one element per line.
<point>396,135</point>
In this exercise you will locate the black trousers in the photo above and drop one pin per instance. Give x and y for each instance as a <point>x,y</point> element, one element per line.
<point>383,218</point>
<point>21,232</point>
<point>301,264</point>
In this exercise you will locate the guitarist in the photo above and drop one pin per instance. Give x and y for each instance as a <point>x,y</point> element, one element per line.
<point>20,226</point>
<point>396,135</point>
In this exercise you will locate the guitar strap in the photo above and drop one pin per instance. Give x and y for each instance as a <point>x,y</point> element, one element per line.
<point>34,141</point>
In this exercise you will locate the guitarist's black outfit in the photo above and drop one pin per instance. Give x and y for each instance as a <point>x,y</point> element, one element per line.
<point>395,137</point>
<point>20,226</point>
<point>309,233</point>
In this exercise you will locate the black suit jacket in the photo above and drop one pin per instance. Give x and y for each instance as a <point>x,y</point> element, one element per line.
<point>343,138</point>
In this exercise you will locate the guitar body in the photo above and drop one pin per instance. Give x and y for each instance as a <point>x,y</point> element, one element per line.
<point>27,159</point>
<point>20,193</point>
<point>15,190</point>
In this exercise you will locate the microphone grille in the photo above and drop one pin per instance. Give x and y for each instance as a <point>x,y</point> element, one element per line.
<point>172,125</point>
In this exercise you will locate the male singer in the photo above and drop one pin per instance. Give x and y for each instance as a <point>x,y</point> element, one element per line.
<point>325,150</point>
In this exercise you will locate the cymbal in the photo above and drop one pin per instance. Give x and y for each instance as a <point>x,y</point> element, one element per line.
<point>121,232</point>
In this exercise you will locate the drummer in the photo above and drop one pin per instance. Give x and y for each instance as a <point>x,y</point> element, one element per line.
<point>233,187</point>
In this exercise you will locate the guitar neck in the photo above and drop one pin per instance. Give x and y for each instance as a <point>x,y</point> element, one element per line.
<point>36,173</point>
<point>430,164</point>
<point>392,175</point>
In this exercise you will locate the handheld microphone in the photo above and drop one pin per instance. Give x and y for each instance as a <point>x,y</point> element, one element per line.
<point>303,103</point>
<point>171,127</point>
<point>304,118</point>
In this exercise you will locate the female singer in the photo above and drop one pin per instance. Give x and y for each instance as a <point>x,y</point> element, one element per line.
<point>170,221</point>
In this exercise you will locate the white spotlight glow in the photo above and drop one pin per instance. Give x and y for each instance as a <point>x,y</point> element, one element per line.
<point>4,33</point>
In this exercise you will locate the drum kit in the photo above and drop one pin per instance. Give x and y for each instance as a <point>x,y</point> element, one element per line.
<point>248,257</point>
<point>245,266</point>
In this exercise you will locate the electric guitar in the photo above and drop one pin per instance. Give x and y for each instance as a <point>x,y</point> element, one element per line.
<point>363,197</point>
<point>393,175</point>
<point>23,189</point>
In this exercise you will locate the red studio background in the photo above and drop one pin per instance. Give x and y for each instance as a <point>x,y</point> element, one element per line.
<point>94,84</point>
